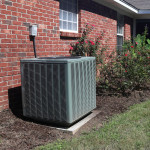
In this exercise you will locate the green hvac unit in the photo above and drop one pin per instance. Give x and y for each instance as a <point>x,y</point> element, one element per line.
<point>58,89</point>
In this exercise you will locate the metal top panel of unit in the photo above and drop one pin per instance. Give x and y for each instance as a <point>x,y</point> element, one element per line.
<point>58,59</point>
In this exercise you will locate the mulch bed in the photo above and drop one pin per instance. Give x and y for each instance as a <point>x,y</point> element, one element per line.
<point>17,133</point>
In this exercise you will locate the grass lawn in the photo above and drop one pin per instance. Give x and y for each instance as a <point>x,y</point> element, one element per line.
<point>127,131</point>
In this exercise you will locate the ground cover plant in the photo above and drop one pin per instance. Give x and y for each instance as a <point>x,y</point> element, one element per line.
<point>127,131</point>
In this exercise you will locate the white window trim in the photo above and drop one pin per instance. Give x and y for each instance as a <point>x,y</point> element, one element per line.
<point>71,31</point>
<point>121,34</point>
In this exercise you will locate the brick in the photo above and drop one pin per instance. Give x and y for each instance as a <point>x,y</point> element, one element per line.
<point>13,0</point>
<point>17,67</point>
<point>16,72</point>
<point>5,12</point>
<point>22,10</point>
<point>16,40</point>
<point>22,54</point>
<point>6,31</point>
<point>20,1</point>
<point>5,40</point>
<point>17,14</point>
<point>32,21</point>
<point>17,23</point>
<point>26,16</point>
<point>11,54</point>
<point>3,103</point>
<point>8,3</point>
<point>12,63</point>
<point>2,35</point>
<point>16,32</point>
<point>17,5</point>
<point>34,17</point>
<point>11,36</point>
<point>22,28</point>
<point>27,7</point>
<point>22,19</point>
<point>2,16</point>
<point>26,24</point>
<point>30,12</point>
<point>12,17</point>
<point>7,22</point>
<point>7,78</point>
<point>25,32</point>
<point>12,45</point>
<point>7,69</point>
<point>3,64</point>
<point>3,26</point>
<point>2,74</point>
<point>12,8</point>
<point>16,77</point>
<point>4,88</point>
<point>12,27</point>
<point>2,7</point>
<point>21,36</point>
<point>3,83</point>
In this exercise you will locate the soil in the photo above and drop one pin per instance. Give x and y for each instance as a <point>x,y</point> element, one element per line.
<point>17,132</point>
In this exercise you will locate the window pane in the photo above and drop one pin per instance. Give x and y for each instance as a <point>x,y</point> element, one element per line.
<point>120,23</point>
<point>69,26</point>
<point>61,24</point>
<point>120,40</point>
<point>70,16</point>
<point>119,44</point>
<point>65,25</point>
<point>64,15</point>
<point>61,14</point>
<point>75,26</point>
<point>120,30</point>
<point>74,17</point>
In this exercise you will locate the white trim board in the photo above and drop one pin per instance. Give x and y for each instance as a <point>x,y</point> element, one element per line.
<point>116,7</point>
<point>127,6</point>
<point>124,8</point>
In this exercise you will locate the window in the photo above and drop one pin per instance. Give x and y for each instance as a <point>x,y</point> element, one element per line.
<point>68,16</point>
<point>120,32</point>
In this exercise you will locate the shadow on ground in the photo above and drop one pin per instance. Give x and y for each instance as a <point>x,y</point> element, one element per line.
<point>15,101</point>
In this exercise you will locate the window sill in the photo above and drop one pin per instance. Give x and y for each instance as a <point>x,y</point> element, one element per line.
<point>71,35</point>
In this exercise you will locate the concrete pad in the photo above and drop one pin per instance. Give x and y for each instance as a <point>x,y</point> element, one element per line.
<point>74,128</point>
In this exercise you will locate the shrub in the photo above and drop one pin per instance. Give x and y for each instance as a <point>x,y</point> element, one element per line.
<point>128,71</point>
<point>88,47</point>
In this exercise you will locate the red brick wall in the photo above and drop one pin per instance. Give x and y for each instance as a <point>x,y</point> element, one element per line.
<point>17,15</point>
<point>128,27</point>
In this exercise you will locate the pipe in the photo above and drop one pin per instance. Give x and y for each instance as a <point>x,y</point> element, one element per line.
<point>34,46</point>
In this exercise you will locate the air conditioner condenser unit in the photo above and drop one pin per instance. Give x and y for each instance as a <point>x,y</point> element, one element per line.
<point>58,89</point>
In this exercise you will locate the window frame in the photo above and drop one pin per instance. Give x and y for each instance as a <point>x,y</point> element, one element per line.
<point>70,31</point>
